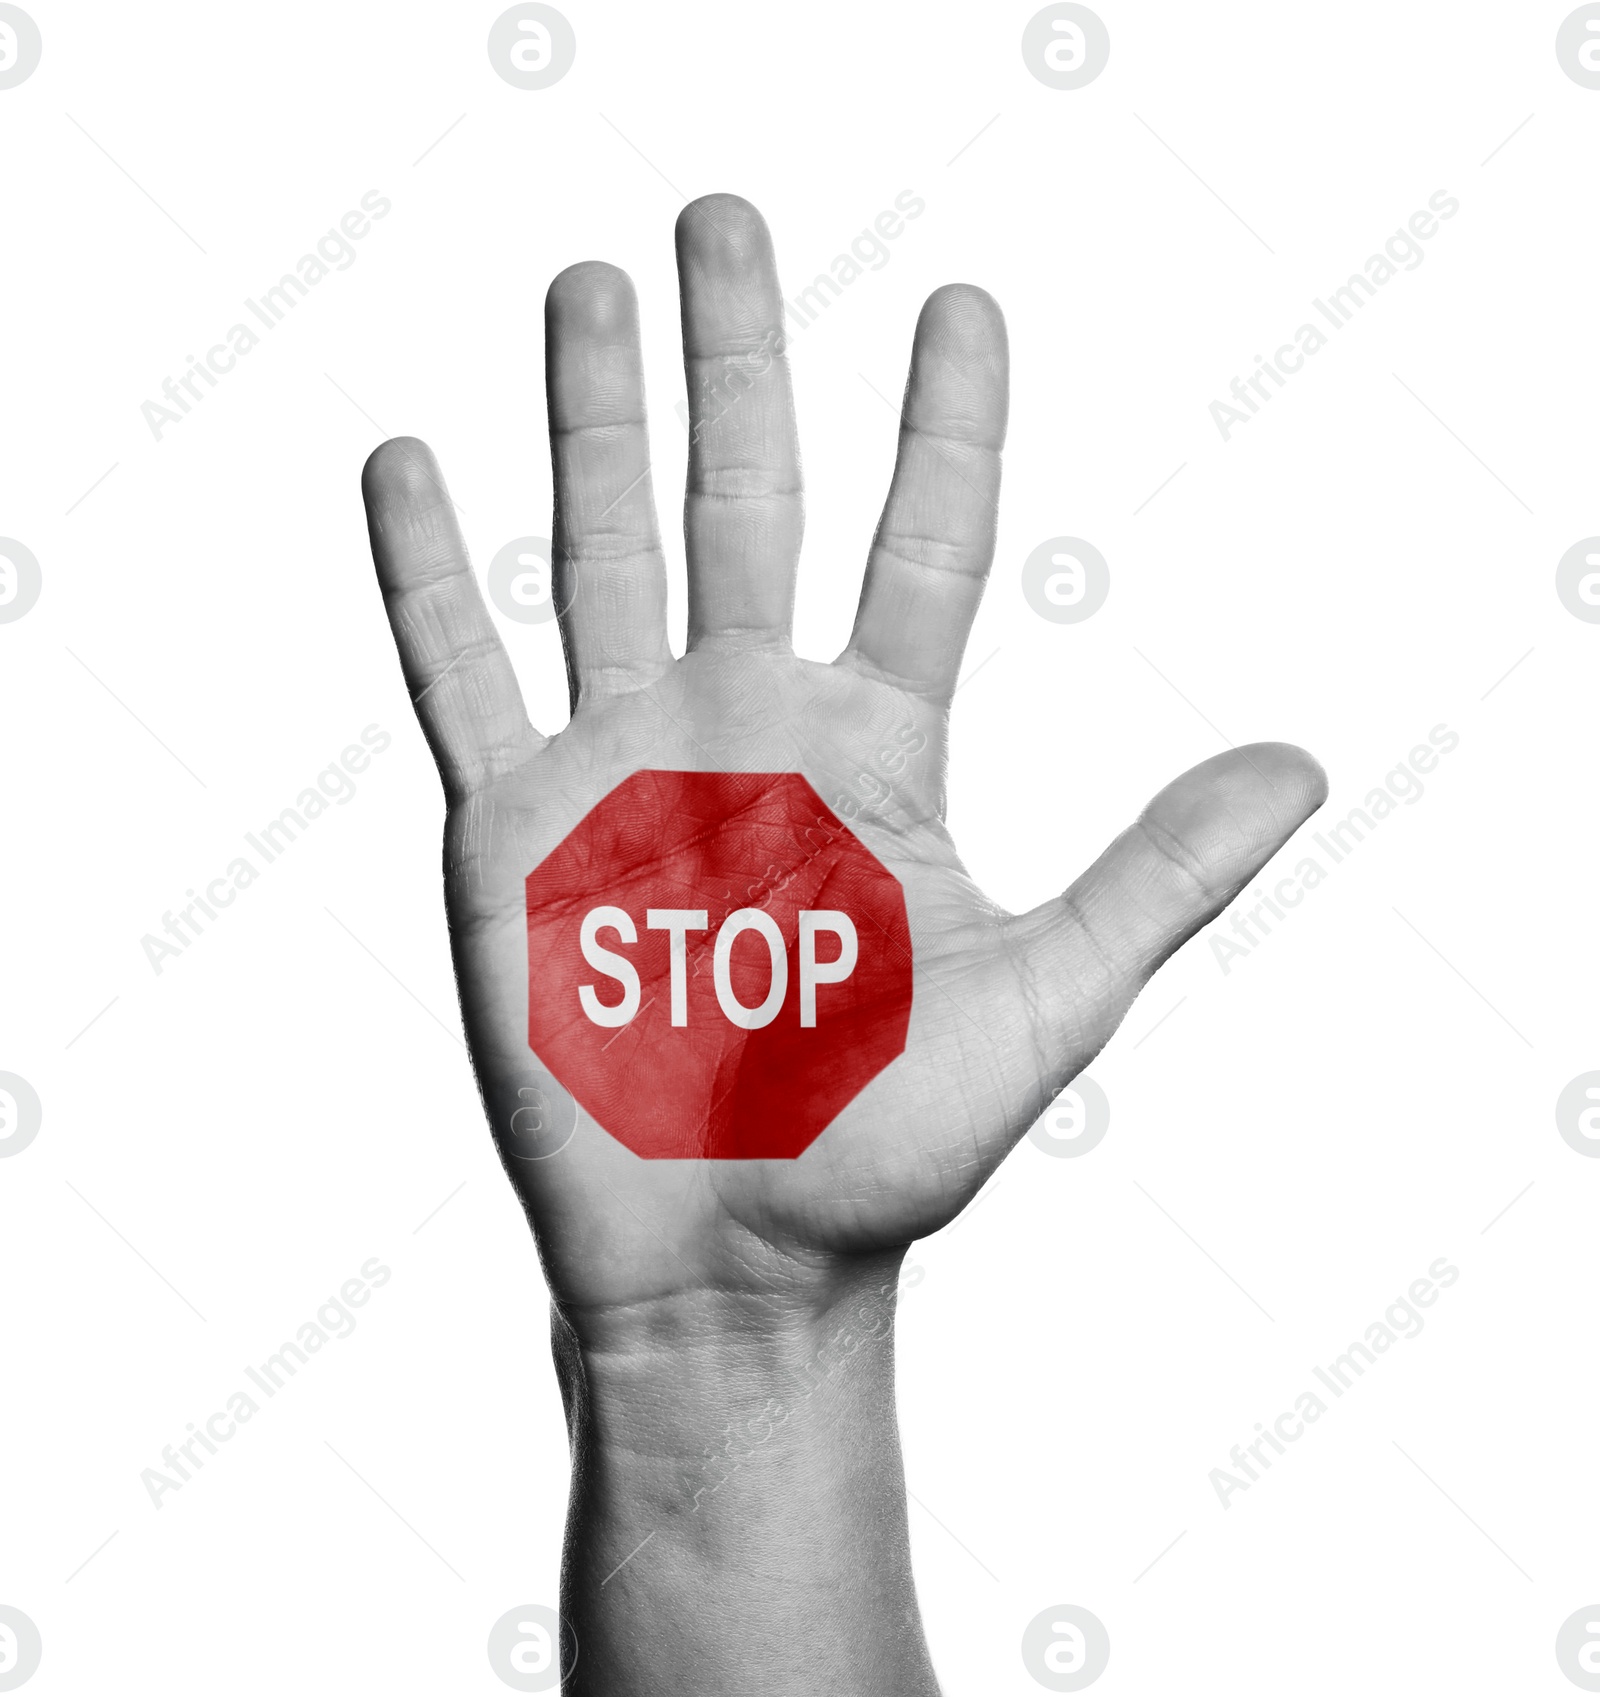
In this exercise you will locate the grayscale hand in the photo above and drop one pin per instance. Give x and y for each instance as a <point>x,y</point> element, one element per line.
<point>695,1297</point>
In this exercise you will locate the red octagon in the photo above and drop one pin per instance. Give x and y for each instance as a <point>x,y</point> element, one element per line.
<point>690,971</point>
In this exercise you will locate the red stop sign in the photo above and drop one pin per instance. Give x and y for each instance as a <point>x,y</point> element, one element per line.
<point>716,965</point>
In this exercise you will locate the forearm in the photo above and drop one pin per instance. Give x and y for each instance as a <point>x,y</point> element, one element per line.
<point>738,1512</point>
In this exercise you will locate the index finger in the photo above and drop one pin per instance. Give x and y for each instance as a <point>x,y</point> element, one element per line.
<point>935,540</point>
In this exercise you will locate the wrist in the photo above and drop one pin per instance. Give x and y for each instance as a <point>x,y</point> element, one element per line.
<point>655,1365</point>
<point>743,1454</point>
<point>685,1408</point>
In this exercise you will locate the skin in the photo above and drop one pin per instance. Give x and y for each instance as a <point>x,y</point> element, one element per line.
<point>723,1330</point>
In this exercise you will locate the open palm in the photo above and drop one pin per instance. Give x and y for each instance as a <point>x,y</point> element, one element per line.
<point>1006,1009</point>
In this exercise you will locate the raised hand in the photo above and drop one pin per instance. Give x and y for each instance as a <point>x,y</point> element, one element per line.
<point>712,1274</point>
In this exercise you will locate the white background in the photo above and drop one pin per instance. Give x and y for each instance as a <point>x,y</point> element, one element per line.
<point>1364,1093</point>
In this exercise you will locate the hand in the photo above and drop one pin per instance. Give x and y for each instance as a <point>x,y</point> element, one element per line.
<point>721,1273</point>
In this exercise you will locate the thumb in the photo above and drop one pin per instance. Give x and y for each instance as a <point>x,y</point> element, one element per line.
<point>1089,952</point>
